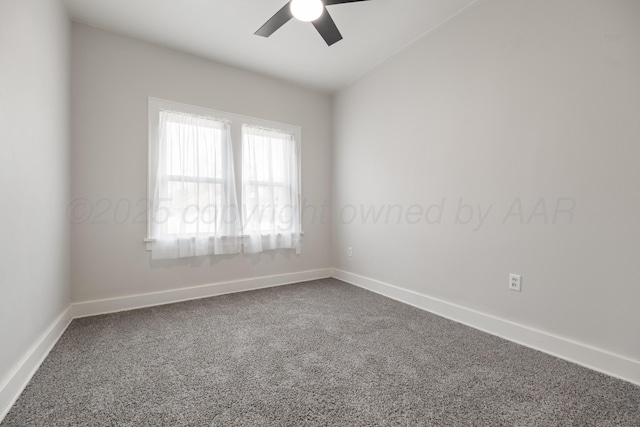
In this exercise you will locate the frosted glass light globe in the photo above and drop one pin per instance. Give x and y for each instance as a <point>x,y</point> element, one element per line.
<point>306,10</point>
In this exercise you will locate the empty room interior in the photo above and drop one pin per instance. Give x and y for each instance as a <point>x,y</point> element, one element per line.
<point>320,212</point>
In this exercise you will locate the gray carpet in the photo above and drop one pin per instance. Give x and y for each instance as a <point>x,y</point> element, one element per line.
<point>315,353</point>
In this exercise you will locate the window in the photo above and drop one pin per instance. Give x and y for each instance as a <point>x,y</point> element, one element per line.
<point>192,183</point>
<point>194,209</point>
<point>270,195</point>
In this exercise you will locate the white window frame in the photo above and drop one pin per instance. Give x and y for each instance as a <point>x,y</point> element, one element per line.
<point>155,105</point>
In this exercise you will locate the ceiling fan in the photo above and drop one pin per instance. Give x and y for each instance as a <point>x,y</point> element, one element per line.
<point>314,11</point>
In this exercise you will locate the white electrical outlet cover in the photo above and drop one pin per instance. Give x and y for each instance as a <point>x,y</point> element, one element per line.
<point>515,282</point>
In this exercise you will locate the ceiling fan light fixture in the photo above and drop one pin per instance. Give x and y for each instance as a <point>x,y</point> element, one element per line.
<point>307,10</point>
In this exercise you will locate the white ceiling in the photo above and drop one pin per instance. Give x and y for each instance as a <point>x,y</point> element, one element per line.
<point>222,30</point>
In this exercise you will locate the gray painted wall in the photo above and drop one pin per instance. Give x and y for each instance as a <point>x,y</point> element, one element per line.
<point>112,78</point>
<point>512,103</point>
<point>34,173</point>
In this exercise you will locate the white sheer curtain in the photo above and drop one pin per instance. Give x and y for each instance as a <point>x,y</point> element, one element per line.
<point>270,190</point>
<point>195,209</point>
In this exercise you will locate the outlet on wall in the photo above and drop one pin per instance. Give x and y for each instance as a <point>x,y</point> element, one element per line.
<point>515,282</point>
<point>349,251</point>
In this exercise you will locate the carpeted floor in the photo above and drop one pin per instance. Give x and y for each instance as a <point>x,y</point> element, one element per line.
<point>316,353</point>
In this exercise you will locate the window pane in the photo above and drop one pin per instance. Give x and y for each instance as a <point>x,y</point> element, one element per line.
<point>194,207</point>
<point>270,183</point>
<point>194,150</point>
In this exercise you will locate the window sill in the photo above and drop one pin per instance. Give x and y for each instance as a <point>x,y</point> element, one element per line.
<point>149,242</point>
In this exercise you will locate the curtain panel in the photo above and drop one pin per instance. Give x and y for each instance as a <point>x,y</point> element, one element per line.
<point>270,190</point>
<point>195,209</point>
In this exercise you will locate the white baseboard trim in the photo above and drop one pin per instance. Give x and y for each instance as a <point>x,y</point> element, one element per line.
<point>17,380</point>
<point>582,354</point>
<point>112,305</point>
